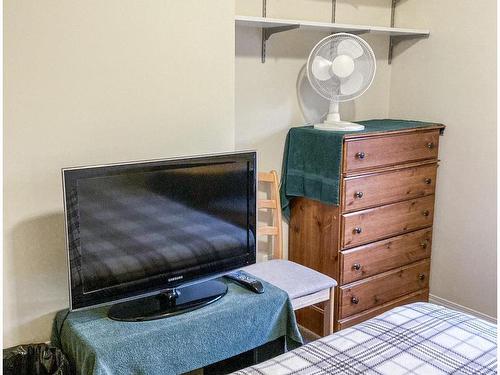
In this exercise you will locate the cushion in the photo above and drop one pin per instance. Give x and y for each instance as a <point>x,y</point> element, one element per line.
<point>293,278</point>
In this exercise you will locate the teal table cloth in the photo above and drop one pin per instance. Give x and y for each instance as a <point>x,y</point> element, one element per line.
<point>238,322</point>
<point>312,160</point>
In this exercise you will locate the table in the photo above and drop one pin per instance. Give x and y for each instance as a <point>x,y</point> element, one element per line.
<point>238,322</point>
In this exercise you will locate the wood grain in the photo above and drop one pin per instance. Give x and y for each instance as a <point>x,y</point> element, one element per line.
<point>392,149</point>
<point>389,248</point>
<point>314,238</point>
<point>382,288</point>
<point>313,235</point>
<point>386,221</point>
<point>389,187</point>
<point>382,256</point>
<point>419,296</point>
<point>312,318</point>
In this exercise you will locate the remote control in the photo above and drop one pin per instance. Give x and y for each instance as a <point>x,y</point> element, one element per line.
<point>246,280</point>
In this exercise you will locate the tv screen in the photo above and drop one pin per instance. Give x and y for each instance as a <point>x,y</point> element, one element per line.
<point>136,229</point>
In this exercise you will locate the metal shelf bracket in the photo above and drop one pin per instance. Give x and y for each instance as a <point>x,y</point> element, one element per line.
<point>334,10</point>
<point>267,32</point>
<point>394,40</point>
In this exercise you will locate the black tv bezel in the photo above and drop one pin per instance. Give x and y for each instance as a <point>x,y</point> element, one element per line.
<point>146,287</point>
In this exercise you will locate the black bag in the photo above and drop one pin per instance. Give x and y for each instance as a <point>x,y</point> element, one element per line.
<point>35,359</point>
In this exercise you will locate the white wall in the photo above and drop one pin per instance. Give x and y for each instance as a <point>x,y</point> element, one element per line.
<point>451,78</point>
<point>94,82</point>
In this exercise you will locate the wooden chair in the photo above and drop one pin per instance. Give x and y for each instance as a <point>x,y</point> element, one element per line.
<point>273,204</point>
<point>304,286</point>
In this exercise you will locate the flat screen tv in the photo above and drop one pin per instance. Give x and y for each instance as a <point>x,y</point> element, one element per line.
<point>152,236</point>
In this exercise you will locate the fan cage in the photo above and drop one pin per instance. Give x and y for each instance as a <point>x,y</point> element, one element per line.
<point>327,47</point>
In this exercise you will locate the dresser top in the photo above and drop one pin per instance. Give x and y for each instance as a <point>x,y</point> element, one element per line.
<point>389,126</point>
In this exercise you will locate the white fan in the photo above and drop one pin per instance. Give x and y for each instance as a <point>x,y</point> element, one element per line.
<point>341,67</point>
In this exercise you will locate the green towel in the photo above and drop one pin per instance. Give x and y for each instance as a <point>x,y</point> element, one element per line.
<point>312,160</point>
<point>238,322</point>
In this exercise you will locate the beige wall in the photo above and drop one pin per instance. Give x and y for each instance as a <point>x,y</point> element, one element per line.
<point>451,78</point>
<point>94,82</point>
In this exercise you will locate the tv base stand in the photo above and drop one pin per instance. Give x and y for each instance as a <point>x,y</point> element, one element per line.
<point>169,303</point>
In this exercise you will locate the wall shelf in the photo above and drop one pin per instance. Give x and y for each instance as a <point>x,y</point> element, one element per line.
<point>271,23</point>
<point>270,26</point>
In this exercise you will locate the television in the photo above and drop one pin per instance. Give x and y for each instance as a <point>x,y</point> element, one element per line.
<point>151,237</point>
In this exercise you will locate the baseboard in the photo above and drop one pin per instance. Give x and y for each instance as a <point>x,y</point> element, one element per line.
<point>455,306</point>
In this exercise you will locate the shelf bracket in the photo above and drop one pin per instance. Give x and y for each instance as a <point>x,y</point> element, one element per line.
<point>334,10</point>
<point>394,40</point>
<point>267,32</point>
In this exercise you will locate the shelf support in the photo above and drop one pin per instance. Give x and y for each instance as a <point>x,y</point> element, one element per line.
<point>263,32</point>
<point>392,40</point>
<point>267,32</point>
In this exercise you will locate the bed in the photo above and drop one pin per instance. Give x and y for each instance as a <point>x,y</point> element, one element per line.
<point>419,338</point>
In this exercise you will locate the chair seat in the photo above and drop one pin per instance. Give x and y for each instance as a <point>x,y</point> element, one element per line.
<point>298,281</point>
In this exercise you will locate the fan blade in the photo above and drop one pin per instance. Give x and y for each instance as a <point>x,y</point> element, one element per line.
<point>352,84</point>
<point>321,68</point>
<point>350,48</point>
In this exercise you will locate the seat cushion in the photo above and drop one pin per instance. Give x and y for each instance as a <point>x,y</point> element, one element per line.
<point>295,279</point>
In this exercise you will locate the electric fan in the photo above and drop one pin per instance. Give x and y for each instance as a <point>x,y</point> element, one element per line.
<point>341,67</point>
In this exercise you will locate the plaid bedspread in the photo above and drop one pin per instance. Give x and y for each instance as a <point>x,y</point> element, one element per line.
<point>419,338</point>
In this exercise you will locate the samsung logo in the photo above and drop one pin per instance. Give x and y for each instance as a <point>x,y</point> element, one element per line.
<point>175,278</point>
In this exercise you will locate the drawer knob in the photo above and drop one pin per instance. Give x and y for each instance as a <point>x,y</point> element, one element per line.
<point>430,145</point>
<point>355,300</point>
<point>426,213</point>
<point>421,277</point>
<point>424,244</point>
<point>356,266</point>
<point>358,194</point>
<point>428,181</point>
<point>357,230</point>
<point>360,155</point>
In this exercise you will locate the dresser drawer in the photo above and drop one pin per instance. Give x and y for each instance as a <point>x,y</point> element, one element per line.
<point>373,152</point>
<point>388,187</point>
<point>383,288</point>
<point>385,255</point>
<point>420,296</point>
<point>381,222</point>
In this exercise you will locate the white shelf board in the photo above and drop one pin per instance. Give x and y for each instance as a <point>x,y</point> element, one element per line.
<point>264,22</point>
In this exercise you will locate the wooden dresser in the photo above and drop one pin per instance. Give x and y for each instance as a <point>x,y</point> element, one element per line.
<point>377,242</point>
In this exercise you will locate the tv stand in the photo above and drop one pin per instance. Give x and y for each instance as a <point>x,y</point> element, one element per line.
<point>169,303</point>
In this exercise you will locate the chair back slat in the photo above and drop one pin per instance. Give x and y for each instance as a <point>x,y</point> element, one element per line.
<point>267,203</point>
<point>266,176</point>
<point>272,204</point>
<point>268,231</point>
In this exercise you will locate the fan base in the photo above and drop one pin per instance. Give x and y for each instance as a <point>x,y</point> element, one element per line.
<point>339,126</point>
